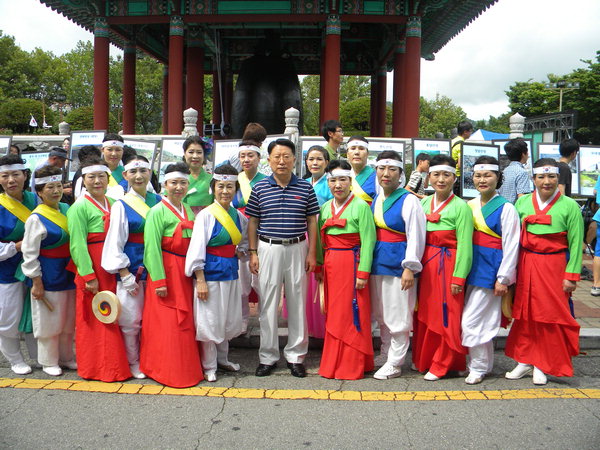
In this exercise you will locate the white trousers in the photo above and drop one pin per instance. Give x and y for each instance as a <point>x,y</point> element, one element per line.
<point>393,309</point>
<point>130,320</point>
<point>54,330</point>
<point>213,354</point>
<point>11,307</point>
<point>282,265</point>
<point>247,281</point>
<point>219,318</point>
<point>480,324</point>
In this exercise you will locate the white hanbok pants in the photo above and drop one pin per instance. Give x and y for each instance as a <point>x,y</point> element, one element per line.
<point>282,265</point>
<point>393,309</point>
<point>480,324</point>
<point>247,281</point>
<point>54,330</point>
<point>11,307</point>
<point>130,319</point>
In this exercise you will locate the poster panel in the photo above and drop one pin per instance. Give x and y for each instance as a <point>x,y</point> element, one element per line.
<point>589,169</point>
<point>78,140</point>
<point>469,154</point>
<point>551,150</point>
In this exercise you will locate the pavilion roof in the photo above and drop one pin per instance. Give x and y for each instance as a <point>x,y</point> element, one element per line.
<point>370,29</point>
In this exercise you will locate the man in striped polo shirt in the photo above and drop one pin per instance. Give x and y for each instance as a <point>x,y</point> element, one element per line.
<point>281,209</point>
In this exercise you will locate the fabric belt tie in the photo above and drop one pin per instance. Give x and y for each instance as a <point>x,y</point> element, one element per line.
<point>62,251</point>
<point>444,252</point>
<point>224,251</point>
<point>355,311</point>
<point>384,235</point>
<point>485,240</point>
<point>136,238</point>
<point>290,241</point>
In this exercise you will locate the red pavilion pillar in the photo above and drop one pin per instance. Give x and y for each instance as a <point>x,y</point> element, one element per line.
<point>412,83</point>
<point>381,101</point>
<point>129,60</point>
<point>175,105</point>
<point>330,76</point>
<point>195,75</point>
<point>398,102</point>
<point>101,67</point>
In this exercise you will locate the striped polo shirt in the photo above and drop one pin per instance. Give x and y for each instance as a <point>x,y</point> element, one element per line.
<point>282,211</point>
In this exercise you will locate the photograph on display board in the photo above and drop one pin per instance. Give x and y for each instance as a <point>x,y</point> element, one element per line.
<point>469,154</point>
<point>226,151</point>
<point>5,142</point>
<point>430,146</point>
<point>551,150</point>
<point>589,169</point>
<point>147,149</point>
<point>306,142</point>
<point>34,159</point>
<point>378,145</point>
<point>78,140</point>
<point>171,151</point>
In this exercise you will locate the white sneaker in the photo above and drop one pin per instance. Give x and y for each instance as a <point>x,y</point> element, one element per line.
<point>413,367</point>
<point>388,371</point>
<point>53,371</point>
<point>136,372</point>
<point>21,368</point>
<point>431,377</point>
<point>210,375</point>
<point>474,378</point>
<point>518,372</point>
<point>380,359</point>
<point>71,365</point>
<point>539,377</point>
<point>228,366</point>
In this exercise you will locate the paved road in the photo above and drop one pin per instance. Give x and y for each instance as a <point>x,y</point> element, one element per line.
<point>34,417</point>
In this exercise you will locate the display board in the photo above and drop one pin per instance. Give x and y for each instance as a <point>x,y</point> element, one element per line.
<point>78,140</point>
<point>171,151</point>
<point>469,154</point>
<point>147,149</point>
<point>430,146</point>
<point>5,142</point>
<point>589,169</point>
<point>551,150</point>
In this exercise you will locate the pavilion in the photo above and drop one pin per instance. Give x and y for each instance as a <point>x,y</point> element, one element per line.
<point>325,37</point>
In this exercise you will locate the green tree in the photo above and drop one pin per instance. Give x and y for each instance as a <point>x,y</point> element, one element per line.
<point>496,124</point>
<point>79,84</point>
<point>15,114</point>
<point>355,115</point>
<point>309,87</point>
<point>438,115</point>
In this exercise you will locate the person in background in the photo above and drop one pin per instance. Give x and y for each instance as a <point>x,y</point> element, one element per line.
<point>123,253</point>
<point>57,157</point>
<point>595,291</point>
<point>254,134</point>
<point>16,205</point>
<point>568,152</point>
<point>464,130</point>
<point>198,194</point>
<point>112,153</point>
<point>46,255</point>
<point>364,178</point>
<point>220,233</point>
<point>66,144</point>
<point>417,183</point>
<point>400,225</point>
<point>334,135</point>
<point>85,152</point>
<point>495,254</point>
<point>515,178</point>
<point>544,334</point>
<point>14,150</point>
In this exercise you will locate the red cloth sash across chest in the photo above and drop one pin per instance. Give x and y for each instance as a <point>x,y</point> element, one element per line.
<point>62,251</point>
<point>384,235</point>
<point>441,238</point>
<point>485,240</point>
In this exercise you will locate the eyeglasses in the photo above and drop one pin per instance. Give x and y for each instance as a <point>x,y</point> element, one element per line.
<point>280,157</point>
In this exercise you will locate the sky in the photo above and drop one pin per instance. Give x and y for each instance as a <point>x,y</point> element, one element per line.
<point>514,40</point>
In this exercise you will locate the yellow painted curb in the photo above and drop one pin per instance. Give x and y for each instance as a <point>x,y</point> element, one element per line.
<point>298,394</point>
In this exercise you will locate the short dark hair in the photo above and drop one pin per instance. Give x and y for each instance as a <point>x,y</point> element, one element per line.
<point>341,163</point>
<point>357,137</point>
<point>318,148</point>
<point>9,160</point>
<point>194,140</point>
<point>545,162</point>
<point>463,126</point>
<point>568,147</point>
<point>178,167</point>
<point>92,160</point>
<point>88,151</point>
<point>134,157</point>
<point>282,141</point>
<point>128,154</point>
<point>485,159</point>
<point>422,157</point>
<point>515,149</point>
<point>112,137</point>
<point>15,146</point>
<point>45,171</point>
<point>225,169</point>
<point>329,125</point>
<point>389,154</point>
<point>442,160</point>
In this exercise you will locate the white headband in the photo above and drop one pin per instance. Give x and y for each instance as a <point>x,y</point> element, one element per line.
<point>9,167</point>
<point>249,147</point>
<point>337,172</point>
<point>50,179</point>
<point>490,167</point>
<point>112,144</point>
<point>172,175</point>
<point>137,164</point>
<point>545,169</point>
<point>358,143</point>
<point>443,168</point>
<point>96,168</point>
<point>224,177</point>
<point>388,162</point>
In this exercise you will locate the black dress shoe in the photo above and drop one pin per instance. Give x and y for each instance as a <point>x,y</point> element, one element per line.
<point>297,369</point>
<point>264,370</point>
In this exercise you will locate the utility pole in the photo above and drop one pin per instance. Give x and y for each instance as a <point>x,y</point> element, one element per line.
<point>562,86</point>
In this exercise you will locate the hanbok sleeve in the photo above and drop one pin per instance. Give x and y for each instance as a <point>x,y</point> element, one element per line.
<point>414,218</point>
<point>511,232</point>
<point>77,223</point>
<point>464,242</point>
<point>368,237</point>
<point>574,222</point>
<point>7,250</point>
<point>113,254</point>
<point>196,254</point>
<point>153,233</point>
<point>35,232</point>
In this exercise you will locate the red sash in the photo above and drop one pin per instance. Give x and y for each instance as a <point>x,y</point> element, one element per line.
<point>225,251</point>
<point>384,235</point>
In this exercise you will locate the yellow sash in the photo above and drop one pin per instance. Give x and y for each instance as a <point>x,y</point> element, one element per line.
<point>53,215</point>
<point>358,191</point>
<point>245,186</point>
<point>225,219</point>
<point>378,214</point>
<point>15,207</point>
<point>137,204</point>
<point>479,220</point>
